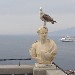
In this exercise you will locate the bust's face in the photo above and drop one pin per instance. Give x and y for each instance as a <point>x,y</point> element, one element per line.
<point>43,33</point>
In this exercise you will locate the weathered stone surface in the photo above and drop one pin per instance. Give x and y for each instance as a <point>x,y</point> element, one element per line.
<point>43,50</point>
<point>54,72</point>
<point>16,69</point>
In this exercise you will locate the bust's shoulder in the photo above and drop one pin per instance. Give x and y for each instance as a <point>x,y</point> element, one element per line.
<point>35,43</point>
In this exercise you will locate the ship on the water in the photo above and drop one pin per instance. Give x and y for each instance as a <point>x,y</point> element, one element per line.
<point>67,39</point>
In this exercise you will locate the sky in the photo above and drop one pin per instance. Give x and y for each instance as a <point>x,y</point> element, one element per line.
<point>20,17</point>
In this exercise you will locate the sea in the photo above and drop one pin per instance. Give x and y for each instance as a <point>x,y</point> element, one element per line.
<point>17,47</point>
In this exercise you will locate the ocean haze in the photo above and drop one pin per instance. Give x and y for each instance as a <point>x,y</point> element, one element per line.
<point>17,47</point>
<point>64,32</point>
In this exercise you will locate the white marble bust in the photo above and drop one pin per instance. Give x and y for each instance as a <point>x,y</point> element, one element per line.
<point>43,50</point>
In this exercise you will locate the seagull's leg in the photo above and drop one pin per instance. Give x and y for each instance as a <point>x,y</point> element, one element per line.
<point>44,23</point>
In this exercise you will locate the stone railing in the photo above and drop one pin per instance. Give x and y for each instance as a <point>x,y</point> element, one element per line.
<point>29,70</point>
<point>16,69</point>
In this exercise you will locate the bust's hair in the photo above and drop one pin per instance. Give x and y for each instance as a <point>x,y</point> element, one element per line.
<point>43,27</point>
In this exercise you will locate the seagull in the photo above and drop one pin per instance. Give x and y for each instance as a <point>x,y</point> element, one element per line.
<point>45,17</point>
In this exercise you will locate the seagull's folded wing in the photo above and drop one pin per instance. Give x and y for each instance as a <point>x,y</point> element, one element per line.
<point>47,17</point>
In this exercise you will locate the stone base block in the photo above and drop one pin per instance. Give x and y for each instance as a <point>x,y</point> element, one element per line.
<point>40,69</point>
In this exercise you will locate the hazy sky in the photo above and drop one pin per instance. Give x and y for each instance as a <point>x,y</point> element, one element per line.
<point>22,16</point>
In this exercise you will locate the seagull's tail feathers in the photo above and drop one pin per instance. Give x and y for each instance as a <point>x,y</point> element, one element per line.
<point>53,22</point>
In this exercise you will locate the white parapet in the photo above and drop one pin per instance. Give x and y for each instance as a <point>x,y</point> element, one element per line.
<point>16,69</point>
<point>54,72</point>
<point>31,69</point>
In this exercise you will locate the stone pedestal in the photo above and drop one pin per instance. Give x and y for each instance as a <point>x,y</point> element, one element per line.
<point>47,69</point>
<point>37,71</point>
<point>40,69</point>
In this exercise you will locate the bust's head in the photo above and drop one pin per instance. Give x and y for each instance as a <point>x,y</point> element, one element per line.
<point>42,32</point>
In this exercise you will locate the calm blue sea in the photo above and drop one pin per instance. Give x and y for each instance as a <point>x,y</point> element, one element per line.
<point>17,47</point>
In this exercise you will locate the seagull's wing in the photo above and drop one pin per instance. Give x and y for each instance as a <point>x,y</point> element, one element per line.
<point>47,18</point>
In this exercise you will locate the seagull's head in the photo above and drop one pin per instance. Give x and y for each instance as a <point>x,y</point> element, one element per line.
<point>41,11</point>
<point>40,8</point>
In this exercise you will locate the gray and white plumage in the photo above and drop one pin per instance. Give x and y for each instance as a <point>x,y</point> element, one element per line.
<point>45,17</point>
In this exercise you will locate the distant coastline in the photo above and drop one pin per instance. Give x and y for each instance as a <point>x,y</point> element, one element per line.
<point>64,32</point>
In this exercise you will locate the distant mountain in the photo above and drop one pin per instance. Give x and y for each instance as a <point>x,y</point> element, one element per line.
<point>65,32</point>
